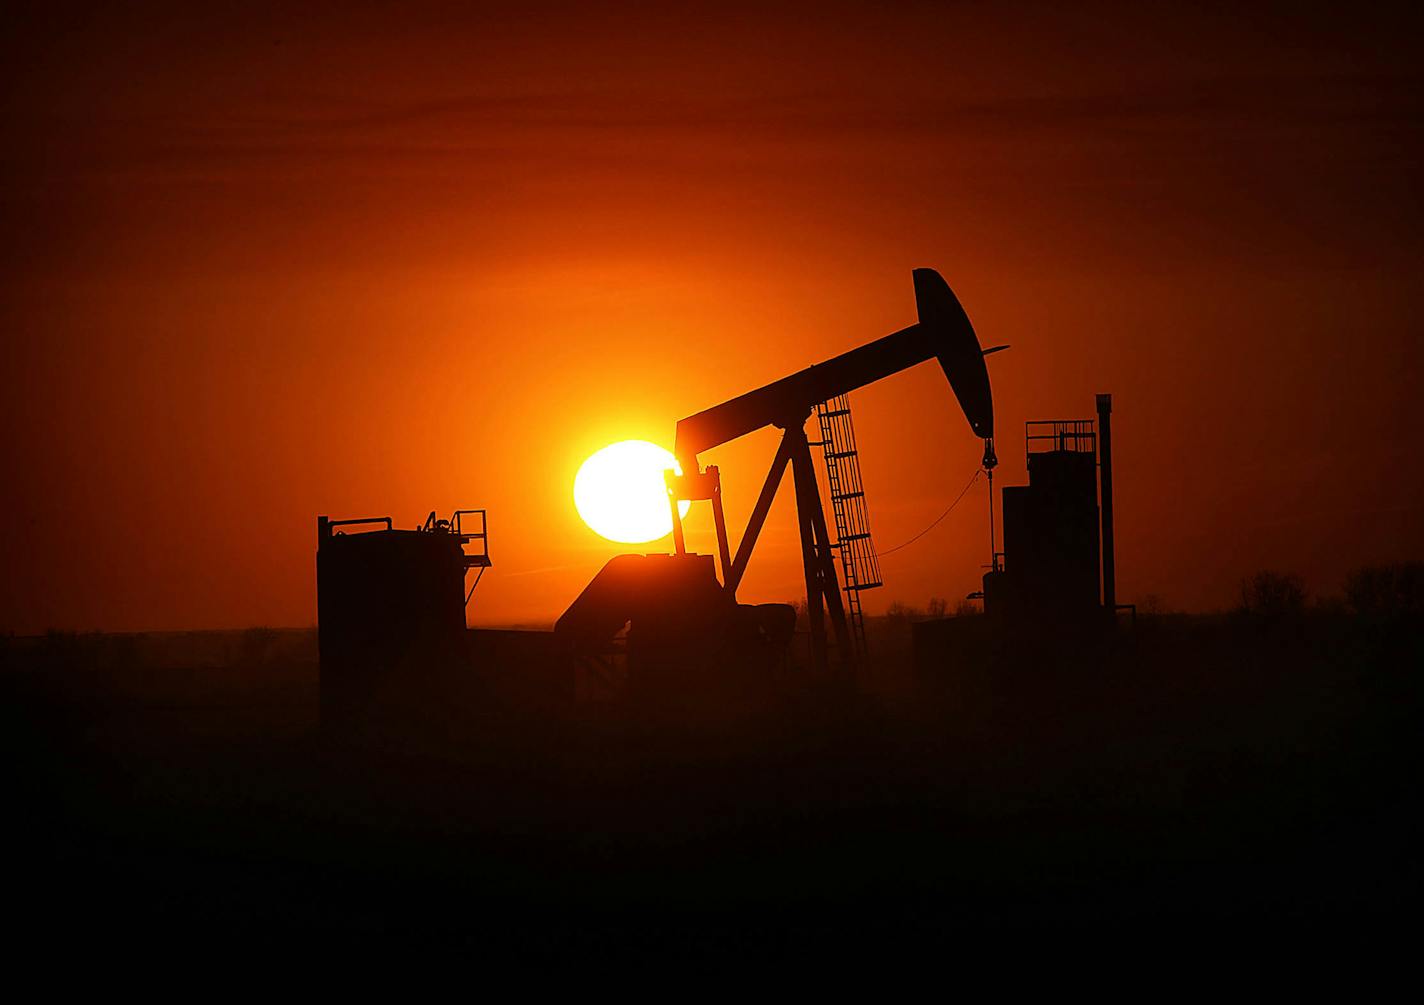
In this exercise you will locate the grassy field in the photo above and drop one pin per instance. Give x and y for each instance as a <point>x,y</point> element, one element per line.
<point>1200,777</point>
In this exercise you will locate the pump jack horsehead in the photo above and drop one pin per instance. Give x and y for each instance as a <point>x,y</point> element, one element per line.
<point>943,332</point>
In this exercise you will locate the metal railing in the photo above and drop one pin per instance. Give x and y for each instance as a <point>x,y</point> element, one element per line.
<point>860,566</point>
<point>1072,435</point>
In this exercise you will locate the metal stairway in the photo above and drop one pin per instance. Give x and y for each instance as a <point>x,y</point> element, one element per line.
<point>860,567</point>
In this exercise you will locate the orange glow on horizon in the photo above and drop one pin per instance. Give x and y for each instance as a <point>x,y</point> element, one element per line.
<point>428,263</point>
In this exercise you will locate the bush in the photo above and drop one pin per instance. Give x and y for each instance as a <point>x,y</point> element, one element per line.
<point>1273,594</point>
<point>902,612</point>
<point>1153,606</point>
<point>256,645</point>
<point>1387,591</point>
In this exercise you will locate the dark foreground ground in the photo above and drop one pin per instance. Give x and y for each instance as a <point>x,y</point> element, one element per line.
<point>1203,782</point>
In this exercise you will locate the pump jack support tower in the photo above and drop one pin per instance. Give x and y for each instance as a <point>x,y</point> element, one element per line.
<point>943,332</point>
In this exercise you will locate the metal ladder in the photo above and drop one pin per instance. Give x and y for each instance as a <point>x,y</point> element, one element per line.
<point>860,567</point>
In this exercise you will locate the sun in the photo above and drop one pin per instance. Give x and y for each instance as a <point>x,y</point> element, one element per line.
<point>620,493</point>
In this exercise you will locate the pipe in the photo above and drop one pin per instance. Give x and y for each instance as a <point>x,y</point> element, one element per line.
<point>1106,492</point>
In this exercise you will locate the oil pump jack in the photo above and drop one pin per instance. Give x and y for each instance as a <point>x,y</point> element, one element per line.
<point>628,586</point>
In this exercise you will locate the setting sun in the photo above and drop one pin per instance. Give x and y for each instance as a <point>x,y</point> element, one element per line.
<point>620,494</point>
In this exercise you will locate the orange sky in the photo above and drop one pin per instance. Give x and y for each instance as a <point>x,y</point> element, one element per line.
<point>261,267</point>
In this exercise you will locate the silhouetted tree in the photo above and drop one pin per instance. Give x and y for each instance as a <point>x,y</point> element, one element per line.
<point>938,607</point>
<point>1395,590</point>
<point>1270,594</point>
<point>898,611</point>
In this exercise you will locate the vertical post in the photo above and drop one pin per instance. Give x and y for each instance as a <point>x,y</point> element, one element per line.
<point>804,477</point>
<point>990,462</point>
<point>993,538</point>
<point>1105,491</point>
<point>724,550</point>
<point>825,566</point>
<point>679,545</point>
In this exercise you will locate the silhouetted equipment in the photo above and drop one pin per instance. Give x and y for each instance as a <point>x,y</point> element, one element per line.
<point>391,604</point>
<point>1054,560</point>
<point>943,332</point>
<point>685,633</point>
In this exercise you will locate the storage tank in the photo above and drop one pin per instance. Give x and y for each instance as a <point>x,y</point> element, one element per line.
<point>1052,563</point>
<point>391,609</point>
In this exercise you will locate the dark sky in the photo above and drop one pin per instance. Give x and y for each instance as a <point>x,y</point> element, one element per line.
<point>260,266</point>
